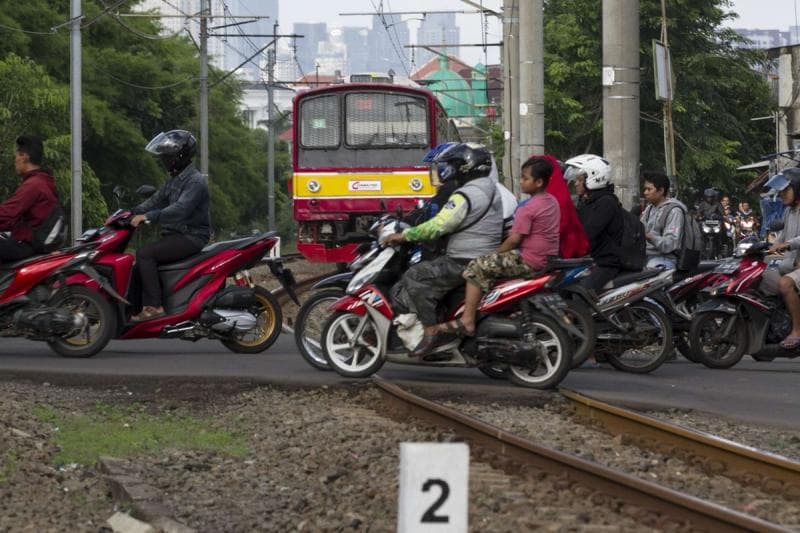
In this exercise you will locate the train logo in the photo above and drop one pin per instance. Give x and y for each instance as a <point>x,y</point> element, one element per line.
<point>364,185</point>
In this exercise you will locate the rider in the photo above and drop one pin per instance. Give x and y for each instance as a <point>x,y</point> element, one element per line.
<point>598,208</point>
<point>709,207</point>
<point>472,219</point>
<point>785,277</point>
<point>180,207</point>
<point>30,204</point>
<point>663,223</point>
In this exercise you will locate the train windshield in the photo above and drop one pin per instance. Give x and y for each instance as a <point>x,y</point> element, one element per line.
<point>363,129</point>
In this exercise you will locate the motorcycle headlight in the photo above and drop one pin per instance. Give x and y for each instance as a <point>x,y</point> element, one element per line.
<point>706,229</point>
<point>716,229</point>
<point>719,289</point>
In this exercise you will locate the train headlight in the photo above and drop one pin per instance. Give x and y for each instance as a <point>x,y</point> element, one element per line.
<point>313,186</point>
<point>415,184</point>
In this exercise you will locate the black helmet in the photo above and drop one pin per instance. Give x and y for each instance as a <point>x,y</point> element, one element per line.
<point>466,161</point>
<point>711,193</point>
<point>175,149</point>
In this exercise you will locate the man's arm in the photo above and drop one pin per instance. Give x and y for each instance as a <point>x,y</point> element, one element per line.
<point>187,202</point>
<point>157,200</point>
<point>670,239</point>
<point>511,242</point>
<point>445,222</point>
<point>600,220</point>
<point>17,205</point>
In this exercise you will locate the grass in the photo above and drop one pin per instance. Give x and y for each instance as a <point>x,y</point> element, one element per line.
<point>8,467</point>
<point>124,432</point>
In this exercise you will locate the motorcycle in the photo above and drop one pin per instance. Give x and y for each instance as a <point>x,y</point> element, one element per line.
<point>200,301</point>
<point>712,235</point>
<point>520,325</point>
<point>38,302</point>
<point>737,319</point>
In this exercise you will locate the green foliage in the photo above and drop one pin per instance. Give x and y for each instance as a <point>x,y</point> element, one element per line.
<point>717,90</point>
<point>136,83</point>
<point>123,432</point>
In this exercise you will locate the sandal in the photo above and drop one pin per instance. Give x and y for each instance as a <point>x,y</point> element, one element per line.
<point>790,343</point>
<point>456,327</point>
<point>148,312</point>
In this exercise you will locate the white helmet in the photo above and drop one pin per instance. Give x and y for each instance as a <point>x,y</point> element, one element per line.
<point>595,168</point>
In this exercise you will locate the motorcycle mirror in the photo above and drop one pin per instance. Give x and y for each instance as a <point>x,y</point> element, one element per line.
<point>145,191</point>
<point>118,191</point>
<point>776,225</point>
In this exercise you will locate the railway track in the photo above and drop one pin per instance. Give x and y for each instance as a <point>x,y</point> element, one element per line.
<point>662,507</point>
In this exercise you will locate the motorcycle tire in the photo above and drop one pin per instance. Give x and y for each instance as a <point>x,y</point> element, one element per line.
<point>343,359</point>
<point>494,371</point>
<point>270,322</point>
<point>546,330</point>
<point>713,351</point>
<point>636,315</point>
<point>683,347</point>
<point>309,324</point>
<point>583,321</point>
<point>100,328</point>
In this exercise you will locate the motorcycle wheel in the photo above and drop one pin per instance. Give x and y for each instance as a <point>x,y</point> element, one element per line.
<point>267,329</point>
<point>308,326</point>
<point>101,322</point>
<point>684,348</point>
<point>555,358</point>
<point>713,350</point>
<point>364,357</point>
<point>583,321</point>
<point>494,371</point>
<point>653,343</point>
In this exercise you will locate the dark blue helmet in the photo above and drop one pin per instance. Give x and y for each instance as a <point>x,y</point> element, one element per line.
<point>464,162</point>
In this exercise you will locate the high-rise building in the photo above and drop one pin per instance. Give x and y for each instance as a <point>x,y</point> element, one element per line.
<point>436,29</point>
<point>239,48</point>
<point>355,40</point>
<point>307,47</point>
<point>387,43</point>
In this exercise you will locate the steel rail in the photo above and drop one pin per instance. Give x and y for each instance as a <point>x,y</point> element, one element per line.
<point>772,473</point>
<point>665,508</point>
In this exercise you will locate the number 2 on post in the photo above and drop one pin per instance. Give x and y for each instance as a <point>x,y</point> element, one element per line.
<point>430,514</point>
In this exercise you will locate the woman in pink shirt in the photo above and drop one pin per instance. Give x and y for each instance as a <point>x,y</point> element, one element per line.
<point>534,237</point>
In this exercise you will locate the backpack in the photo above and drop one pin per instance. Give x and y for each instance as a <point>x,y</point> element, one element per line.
<point>691,245</point>
<point>51,234</point>
<point>632,255</point>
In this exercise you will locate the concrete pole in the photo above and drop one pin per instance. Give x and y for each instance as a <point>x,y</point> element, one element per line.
<point>76,160</point>
<point>507,114</point>
<point>205,12</point>
<point>270,138</point>
<point>621,96</point>
<point>531,78</point>
<point>513,82</point>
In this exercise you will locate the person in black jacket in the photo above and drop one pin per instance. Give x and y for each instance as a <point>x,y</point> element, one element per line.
<point>180,207</point>
<point>599,211</point>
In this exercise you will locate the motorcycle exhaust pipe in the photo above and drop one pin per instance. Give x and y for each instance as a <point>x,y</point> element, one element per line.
<point>171,332</point>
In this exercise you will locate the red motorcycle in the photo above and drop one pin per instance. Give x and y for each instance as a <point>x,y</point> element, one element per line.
<point>38,302</point>
<point>207,295</point>
<point>521,325</point>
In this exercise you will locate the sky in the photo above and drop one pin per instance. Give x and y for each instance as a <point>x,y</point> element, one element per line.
<point>753,14</point>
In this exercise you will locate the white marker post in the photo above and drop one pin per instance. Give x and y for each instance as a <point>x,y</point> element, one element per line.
<point>434,485</point>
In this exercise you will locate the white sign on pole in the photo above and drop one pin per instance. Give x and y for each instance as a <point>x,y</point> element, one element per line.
<point>434,488</point>
<point>662,67</point>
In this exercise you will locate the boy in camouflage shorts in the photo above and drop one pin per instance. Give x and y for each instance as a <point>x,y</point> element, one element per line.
<point>534,237</point>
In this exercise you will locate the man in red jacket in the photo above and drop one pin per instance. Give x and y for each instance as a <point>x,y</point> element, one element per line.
<point>30,204</point>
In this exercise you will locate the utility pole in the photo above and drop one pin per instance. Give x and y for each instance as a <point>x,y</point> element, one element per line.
<point>669,131</point>
<point>76,129</point>
<point>621,96</point>
<point>205,12</point>
<point>271,136</point>
<point>511,127</point>
<point>531,78</point>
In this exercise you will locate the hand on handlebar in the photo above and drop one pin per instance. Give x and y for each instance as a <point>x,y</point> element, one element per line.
<point>778,248</point>
<point>394,238</point>
<point>138,219</point>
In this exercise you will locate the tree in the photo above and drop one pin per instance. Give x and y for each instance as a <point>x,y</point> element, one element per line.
<point>716,91</point>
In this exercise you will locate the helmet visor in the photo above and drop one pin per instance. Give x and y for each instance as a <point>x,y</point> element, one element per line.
<point>155,145</point>
<point>778,182</point>
<point>573,173</point>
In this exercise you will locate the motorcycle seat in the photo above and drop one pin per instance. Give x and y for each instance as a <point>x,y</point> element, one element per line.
<point>705,266</point>
<point>557,263</point>
<point>632,277</point>
<point>213,249</point>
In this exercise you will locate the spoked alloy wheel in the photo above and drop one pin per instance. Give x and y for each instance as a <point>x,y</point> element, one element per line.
<point>646,344</point>
<point>349,354</point>
<point>710,343</point>
<point>99,322</point>
<point>268,326</point>
<point>554,348</point>
<point>308,328</point>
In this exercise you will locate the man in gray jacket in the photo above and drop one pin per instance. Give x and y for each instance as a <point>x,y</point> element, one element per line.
<point>180,207</point>
<point>472,219</point>
<point>663,220</point>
